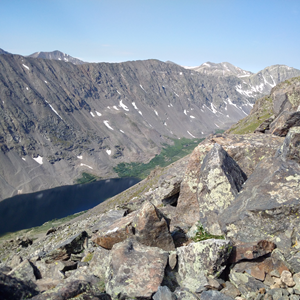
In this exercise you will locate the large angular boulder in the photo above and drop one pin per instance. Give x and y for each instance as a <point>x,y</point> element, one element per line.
<point>220,181</point>
<point>135,270</point>
<point>148,225</point>
<point>268,207</point>
<point>201,259</point>
<point>247,150</point>
<point>151,228</point>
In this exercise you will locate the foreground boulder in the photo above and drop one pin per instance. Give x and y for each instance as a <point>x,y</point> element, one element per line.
<point>198,260</point>
<point>135,270</point>
<point>268,206</point>
<point>221,180</point>
<point>246,150</point>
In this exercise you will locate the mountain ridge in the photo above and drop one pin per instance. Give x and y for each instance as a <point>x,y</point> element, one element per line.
<point>61,119</point>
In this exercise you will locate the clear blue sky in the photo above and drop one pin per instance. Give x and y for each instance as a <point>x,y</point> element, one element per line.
<point>251,34</point>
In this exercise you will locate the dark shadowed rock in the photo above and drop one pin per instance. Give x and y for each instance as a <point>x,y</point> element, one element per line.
<point>267,207</point>
<point>286,120</point>
<point>63,251</point>
<point>135,270</point>
<point>13,288</point>
<point>198,260</point>
<point>220,181</point>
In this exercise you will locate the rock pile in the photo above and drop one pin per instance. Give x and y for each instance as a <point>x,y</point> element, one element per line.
<point>226,226</point>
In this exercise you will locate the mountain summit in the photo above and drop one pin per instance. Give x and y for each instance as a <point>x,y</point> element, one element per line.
<point>57,55</point>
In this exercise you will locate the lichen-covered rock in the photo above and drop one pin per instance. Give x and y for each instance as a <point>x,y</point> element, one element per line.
<point>268,206</point>
<point>247,150</point>
<point>185,294</point>
<point>64,250</point>
<point>290,148</point>
<point>98,262</point>
<point>24,271</point>
<point>135,270</point>
<point>198,260</point>
<point>220,181</point>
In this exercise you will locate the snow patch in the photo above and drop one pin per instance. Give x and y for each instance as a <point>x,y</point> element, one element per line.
<point>191,134</point>
<point>92,114</point>
<point>156,112</point>
<point>84,165</point>
<point>108,151</point>
<point>121,104</point>
<point>53,109</point>
<point>115,107</point>
<point>122,131</point>
<point>45,81</point>
<point>79,156</point>
<point>142,88</point>
<point>38,159</point>
<point>140,113</point>
<point>24,158</point>
<point>118,92</point>
<point>217,125</point>
<point>25,67</point>
<point>107,125</point>
<point>185,112</point>
<point>133,104</point>
<point>27,88</point>
<point>176,94</point>
<point>98,114</point>
<point>192,117</point>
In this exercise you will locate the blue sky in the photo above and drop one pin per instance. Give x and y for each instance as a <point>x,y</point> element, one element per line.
<point>250,34</point>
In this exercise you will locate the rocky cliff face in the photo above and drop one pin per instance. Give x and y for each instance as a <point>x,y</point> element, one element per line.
<point>222,223</point>
<point>59,119</point>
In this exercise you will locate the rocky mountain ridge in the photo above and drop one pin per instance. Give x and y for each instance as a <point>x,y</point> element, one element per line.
<point>59,119</point>
<point>221,223</point>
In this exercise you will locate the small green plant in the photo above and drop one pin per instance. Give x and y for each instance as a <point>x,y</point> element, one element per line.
<point>88,257</point>
<point>86,178</point>
<point>202,234</point>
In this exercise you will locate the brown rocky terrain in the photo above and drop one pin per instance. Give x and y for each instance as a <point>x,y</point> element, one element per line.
<point>222,223</point>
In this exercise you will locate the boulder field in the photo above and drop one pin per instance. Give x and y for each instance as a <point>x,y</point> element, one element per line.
<point>222,223</point>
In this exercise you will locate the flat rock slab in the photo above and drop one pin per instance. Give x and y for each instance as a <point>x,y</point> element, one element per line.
<point>135,270</point>
<point>198,260</point>
<point>267,206</point>
<point>24,271</point>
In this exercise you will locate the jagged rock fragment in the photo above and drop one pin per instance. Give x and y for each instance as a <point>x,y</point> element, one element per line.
<point>214,295</point>
<point>24,271</point>
<point>286,278</point>
<point>163,293</point>
<point>135,270</point>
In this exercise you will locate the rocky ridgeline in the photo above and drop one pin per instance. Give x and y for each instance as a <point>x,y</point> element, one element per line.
<point>222,223</point>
